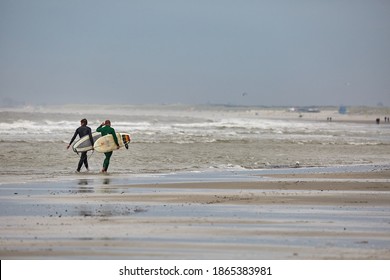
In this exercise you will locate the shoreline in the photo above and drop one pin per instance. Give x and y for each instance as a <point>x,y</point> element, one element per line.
<point>356,114</point>
<point>290,215</point>
<point>206,175</point>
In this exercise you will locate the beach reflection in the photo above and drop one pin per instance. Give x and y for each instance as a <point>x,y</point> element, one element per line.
<point>85,190</point>
<point>109,210</point>
<point>83,182</point>
<point>82,189</point>
<point>96,213</point>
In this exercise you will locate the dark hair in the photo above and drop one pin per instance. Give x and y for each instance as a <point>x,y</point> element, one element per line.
<point>84,121</point>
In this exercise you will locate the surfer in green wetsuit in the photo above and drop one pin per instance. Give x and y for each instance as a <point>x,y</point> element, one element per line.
<point>105,129</point>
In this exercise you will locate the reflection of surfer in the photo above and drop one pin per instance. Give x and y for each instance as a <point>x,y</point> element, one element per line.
<point>105,129</point>
<point>82,131</point>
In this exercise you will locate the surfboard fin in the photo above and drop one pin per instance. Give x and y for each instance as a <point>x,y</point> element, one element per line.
<point>127,146</point>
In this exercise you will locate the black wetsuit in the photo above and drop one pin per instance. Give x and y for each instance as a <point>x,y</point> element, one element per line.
<point>81,132</point>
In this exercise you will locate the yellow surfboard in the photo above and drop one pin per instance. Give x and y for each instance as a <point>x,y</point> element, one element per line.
<point>107,144</point>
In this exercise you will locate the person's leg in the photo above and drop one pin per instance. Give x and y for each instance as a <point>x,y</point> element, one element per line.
<point>106,162</point>
<point>83,159</point>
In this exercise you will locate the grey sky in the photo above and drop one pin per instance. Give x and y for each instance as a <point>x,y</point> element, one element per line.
<point>277,52</point>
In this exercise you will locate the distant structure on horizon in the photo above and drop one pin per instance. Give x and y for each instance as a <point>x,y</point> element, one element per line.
<point>305,109</point>
<point>343,110</point>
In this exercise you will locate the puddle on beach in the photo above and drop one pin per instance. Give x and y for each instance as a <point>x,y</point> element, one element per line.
<point>153,227</point>
<point>279,225</point>
<point>20,199</point>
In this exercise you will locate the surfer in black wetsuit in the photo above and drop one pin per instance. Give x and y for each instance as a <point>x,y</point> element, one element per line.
<point>81,131</point>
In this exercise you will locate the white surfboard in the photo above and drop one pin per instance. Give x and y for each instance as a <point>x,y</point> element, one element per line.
<point>107,144</point>
<point>84,144</point>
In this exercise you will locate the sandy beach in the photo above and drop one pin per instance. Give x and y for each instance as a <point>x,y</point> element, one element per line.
<point>199,183</point>
<point>329,215</point>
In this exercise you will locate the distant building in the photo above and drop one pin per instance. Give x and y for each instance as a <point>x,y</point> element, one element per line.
<point>343,110</point>
<point>309,110</point>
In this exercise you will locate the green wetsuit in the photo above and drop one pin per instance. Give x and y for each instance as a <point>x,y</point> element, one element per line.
<point>105,130</point>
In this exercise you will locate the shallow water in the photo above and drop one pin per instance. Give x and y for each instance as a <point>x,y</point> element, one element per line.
<point>181,138</point>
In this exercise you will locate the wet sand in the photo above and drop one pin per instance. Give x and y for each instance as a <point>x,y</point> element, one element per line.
<point>275,216</point>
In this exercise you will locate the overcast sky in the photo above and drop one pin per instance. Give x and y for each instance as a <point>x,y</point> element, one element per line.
<point>243,52</point>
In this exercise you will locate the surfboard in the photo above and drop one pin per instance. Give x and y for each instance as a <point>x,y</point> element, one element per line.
<point>84,144</point>
<point>107,144</point>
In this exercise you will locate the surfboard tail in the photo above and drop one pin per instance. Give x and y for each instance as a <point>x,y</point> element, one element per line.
<point>126,138</point>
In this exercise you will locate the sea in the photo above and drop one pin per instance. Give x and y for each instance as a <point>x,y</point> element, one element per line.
<point>178,138</point>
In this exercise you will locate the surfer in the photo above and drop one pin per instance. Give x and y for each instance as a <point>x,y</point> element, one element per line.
<point>81,131</point>
<point>105,129</point>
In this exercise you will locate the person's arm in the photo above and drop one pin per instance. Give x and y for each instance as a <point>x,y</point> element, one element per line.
<point>115,138</point>
<point>90,136</point>
<point>74,137</point>
<point>99,129</point>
